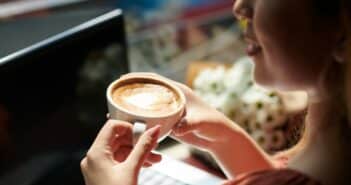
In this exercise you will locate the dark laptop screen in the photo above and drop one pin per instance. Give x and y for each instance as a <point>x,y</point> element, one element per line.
<point>52,94</point>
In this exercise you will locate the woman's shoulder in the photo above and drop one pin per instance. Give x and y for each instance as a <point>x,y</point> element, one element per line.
<point>273,177</point>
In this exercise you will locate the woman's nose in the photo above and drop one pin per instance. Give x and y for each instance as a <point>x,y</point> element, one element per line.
<point>242,9</point>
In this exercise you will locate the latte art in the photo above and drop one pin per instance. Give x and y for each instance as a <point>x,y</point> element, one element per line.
<point>146,99</point>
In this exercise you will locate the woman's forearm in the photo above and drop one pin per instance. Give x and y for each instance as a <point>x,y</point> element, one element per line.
<point>241,154</point>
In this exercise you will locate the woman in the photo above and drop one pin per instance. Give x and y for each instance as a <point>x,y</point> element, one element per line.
<point>296,45</point>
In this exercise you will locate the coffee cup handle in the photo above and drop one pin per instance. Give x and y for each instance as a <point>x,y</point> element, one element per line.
<point>139,128</point>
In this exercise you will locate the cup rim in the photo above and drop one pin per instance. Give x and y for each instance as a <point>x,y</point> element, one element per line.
<point>141,77</point>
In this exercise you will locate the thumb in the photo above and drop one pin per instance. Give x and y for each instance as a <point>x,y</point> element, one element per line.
<point>142,149</point>
<point>184,127</point>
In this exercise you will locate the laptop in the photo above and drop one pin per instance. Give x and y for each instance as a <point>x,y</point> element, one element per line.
<point>53,92</point>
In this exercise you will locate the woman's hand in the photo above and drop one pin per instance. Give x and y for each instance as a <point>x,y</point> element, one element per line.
<point>202,126</point>
<point>112,160</point>
<point>208,129</point>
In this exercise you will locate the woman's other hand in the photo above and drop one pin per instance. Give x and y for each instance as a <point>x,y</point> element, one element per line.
<point>112,160</point>
<point>203,126</point>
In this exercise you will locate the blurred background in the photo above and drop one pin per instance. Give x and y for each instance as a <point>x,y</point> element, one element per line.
<point>196,42</point>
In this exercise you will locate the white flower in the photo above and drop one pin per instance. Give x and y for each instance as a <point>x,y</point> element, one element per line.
<point>232,91</point>
<point>210,80</point>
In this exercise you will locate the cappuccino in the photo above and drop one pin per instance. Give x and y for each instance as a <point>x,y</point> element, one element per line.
<point>148,99</point>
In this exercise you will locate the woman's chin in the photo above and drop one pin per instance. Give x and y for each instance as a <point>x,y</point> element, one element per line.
<point>266,81</point>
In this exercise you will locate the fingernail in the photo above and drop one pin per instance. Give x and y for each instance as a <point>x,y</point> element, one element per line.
<point>180,123</point>
<point>176,132</point>
<point>154,131</point>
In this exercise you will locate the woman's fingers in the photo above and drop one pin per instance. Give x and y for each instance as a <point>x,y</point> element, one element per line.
<point>142,149</point>
<point>184,127</point>
<point>194,140</point>
<point>123,152</point>
<point>147,164</point>
<point>122,140</point>
<point>110,131</point>
<point>154,158</point>
<point>186,90</point>
<point>101,150</point>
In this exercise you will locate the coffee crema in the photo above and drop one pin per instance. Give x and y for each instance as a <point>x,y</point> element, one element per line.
<point>147,99</point>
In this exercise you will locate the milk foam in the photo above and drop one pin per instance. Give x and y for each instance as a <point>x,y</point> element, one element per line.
<point>146,98</point>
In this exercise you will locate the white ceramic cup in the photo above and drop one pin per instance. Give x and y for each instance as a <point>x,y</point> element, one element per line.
<point>144,122</point>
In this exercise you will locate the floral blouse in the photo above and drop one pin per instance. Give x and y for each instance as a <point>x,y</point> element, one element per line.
<point>280,176</point>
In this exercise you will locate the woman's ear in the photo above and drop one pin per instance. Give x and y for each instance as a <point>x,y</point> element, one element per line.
<point>340,51</point>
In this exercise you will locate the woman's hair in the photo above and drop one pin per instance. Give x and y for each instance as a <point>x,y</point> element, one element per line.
<point>337,12</point>
<point>347,22</point>
<point>326,8</point>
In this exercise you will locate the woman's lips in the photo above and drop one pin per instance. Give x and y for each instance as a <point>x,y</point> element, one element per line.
<point>253,49</point>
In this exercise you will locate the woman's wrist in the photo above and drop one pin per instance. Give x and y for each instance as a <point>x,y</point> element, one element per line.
<point>229,132</point>
<point>238,153</point>
<point>232,135</point>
